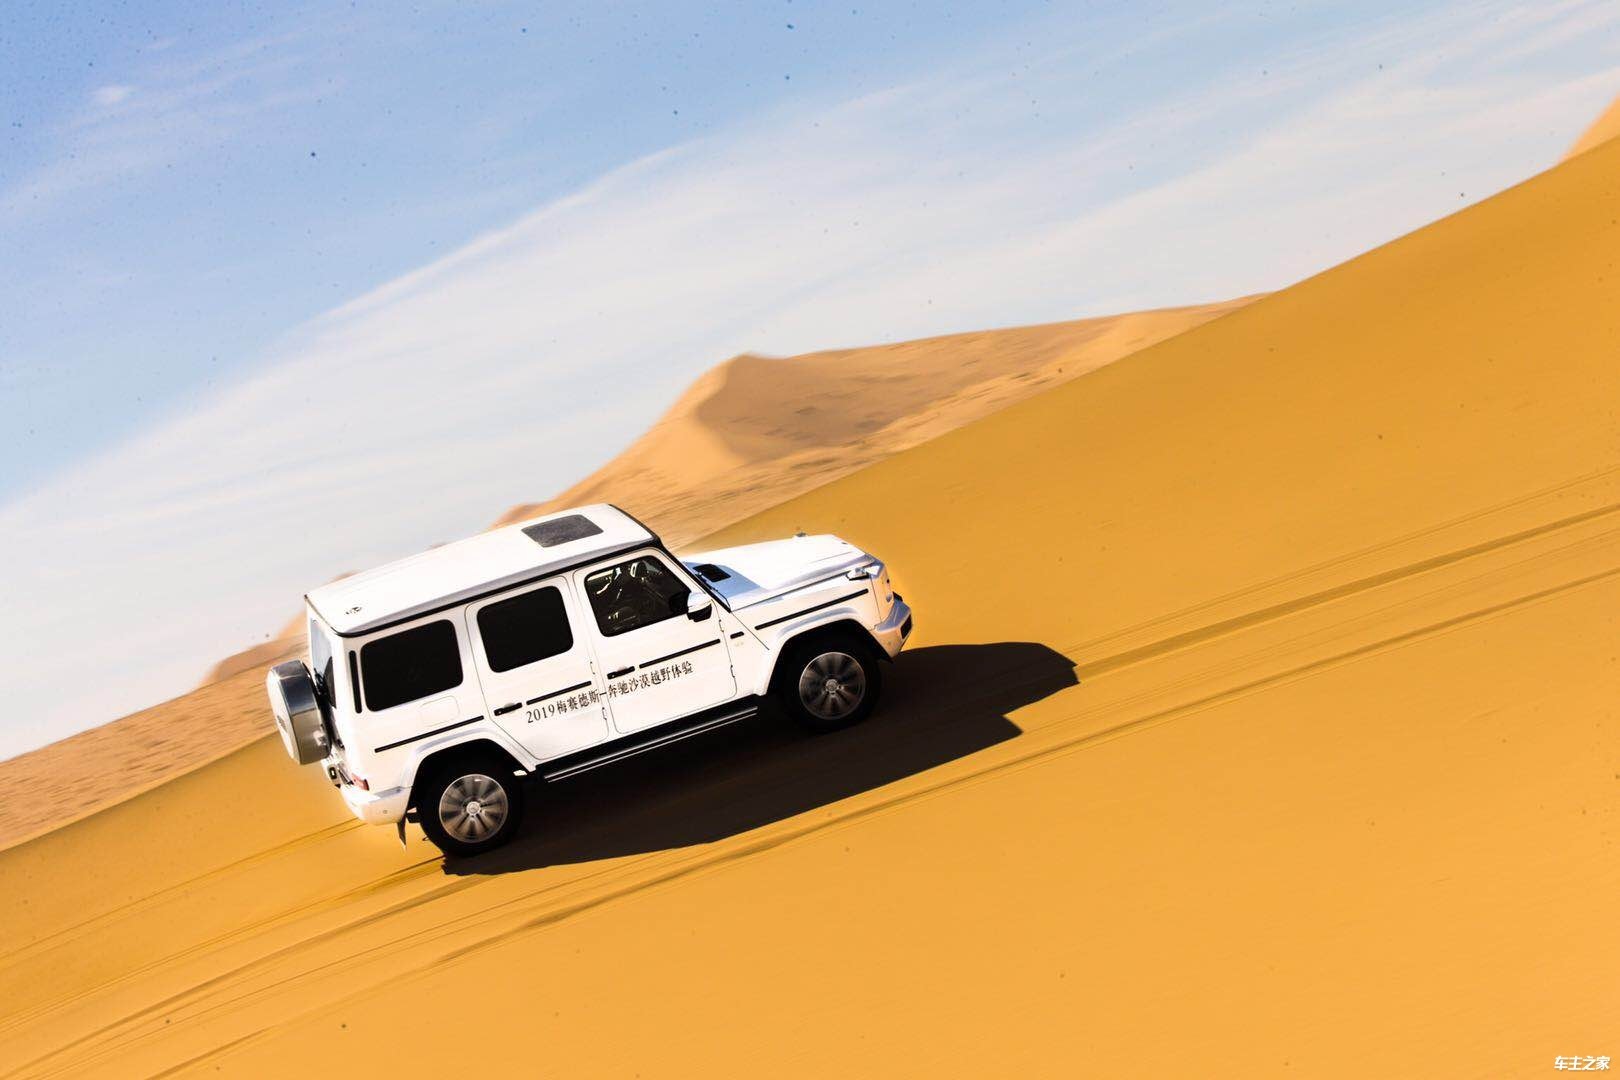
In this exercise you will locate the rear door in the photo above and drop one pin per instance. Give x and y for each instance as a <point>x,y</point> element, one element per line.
<point>533,656</point>
<point>658,663</point>
<point>416,680</point>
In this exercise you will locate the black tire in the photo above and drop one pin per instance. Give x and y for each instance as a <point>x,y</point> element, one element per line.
<point>835,661</point>
<point>477,783</point>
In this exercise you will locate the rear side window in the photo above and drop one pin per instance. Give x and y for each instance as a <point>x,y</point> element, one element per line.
<point>524,629</point>
<point>411,664</point>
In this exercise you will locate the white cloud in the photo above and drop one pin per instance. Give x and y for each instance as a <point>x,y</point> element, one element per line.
<point>502,372</point>
<point>107,96</point>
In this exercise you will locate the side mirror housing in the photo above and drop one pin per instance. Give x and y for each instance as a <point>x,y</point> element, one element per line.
<point>698,607</point>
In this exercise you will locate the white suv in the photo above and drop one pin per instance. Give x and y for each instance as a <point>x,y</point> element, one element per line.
<point>438,683</point>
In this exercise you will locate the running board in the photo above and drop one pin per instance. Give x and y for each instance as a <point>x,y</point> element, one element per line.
<point>628,748</point>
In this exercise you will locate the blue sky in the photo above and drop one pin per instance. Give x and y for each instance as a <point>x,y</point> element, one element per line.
<point>271,274</point>
<point>180,183</point>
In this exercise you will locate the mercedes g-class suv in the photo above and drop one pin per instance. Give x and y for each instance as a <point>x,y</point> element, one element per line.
<point>438,685</point>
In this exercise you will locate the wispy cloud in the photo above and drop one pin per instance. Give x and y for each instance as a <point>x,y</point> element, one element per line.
<point>173,108</point>
<point>500,373</point>
<point>108,96</point>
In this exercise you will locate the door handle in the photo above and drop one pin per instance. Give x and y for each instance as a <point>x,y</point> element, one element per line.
<point>621,671</point>
<point>504,709</point>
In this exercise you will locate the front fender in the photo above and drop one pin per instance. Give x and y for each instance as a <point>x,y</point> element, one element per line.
<point>780,647</point>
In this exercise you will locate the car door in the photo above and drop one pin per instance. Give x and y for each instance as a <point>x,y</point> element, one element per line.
<point>659,663</point>
<point>416,680</point>
<point>537,670</point>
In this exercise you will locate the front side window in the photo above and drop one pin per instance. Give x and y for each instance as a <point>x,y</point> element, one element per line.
<point>320,663</point>
<point>634,594</point>
<point>525,629</point>
<point>411,664</point>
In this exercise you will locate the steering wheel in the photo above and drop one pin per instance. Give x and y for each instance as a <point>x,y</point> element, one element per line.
<point>613,606</point>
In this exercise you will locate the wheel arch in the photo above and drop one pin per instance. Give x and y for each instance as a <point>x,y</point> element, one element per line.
<point>837,628</point>
<point>476,745</point>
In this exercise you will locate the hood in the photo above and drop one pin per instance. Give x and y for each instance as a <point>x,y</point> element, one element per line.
<point>752,573</point>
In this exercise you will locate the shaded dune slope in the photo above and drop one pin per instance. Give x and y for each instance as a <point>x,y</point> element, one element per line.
<point>1261,721</point>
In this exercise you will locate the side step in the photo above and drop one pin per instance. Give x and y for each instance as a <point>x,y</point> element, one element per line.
<point>641,742</point>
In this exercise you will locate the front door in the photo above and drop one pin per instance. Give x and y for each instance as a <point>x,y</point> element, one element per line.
<point>533,656</point>
<point>659,663</point>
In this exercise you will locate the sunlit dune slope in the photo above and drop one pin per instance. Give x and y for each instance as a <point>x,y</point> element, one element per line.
<point>757,430</point>
<point>46,788</point>
<point>1260,721</point>
<point>1604,128</point>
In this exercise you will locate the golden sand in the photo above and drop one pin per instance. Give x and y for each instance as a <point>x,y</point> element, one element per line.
<point>1261,720</point>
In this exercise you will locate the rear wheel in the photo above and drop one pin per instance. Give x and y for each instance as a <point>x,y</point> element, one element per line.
<point>469,805</point>
<point>828,682</point>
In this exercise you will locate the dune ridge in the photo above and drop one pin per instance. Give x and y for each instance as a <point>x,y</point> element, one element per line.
<point>756,430</point>
<point>1604,128</point>
<point>1260,721</point>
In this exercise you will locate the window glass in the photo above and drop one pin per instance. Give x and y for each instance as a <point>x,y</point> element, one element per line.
<point>524,629</point>
<point>633,594</point>
<point>354,680</point>
<point>320,663</point>
<point>410,664</point>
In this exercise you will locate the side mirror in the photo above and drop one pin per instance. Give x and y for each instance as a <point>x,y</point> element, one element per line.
<point>698,607</point>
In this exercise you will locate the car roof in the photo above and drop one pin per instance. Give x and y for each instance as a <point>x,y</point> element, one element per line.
<point>466,569</point>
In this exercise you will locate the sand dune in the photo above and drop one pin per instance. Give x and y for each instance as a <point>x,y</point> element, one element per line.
<point>1603,129</point>
<point>748,434</point>
<point>67,780</point>
<point>755,431</point>
<point>1261,721</point>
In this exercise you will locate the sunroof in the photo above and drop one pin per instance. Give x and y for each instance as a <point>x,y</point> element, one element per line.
<point>561,530</point>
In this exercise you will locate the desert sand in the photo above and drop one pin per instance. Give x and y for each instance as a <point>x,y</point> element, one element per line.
<point>1261,720</point>
<point>70,779</point>
<point>748,434</point>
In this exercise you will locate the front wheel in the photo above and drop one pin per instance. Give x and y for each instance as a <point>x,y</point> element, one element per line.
<point>471,805</point>
<point>829,682</point>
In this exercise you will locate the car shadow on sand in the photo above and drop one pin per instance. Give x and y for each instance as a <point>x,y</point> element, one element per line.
<point>939,703</point>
